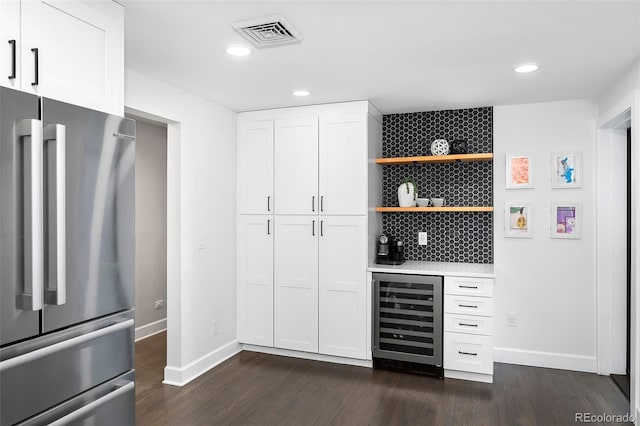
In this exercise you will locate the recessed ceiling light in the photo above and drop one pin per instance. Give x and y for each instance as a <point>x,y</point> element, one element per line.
<point>526,68</point>
<point>238,51</point>
<point>301,93</point>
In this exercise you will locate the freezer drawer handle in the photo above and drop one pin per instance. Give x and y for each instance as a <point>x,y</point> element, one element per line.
<point>474,287</point>
<point>468,353</point>
<point>468,306</point>
<point>55,140</point>
<point>86,409</point>
<point>57,347</point>
<point>30,133</point>
<point>461,324</point>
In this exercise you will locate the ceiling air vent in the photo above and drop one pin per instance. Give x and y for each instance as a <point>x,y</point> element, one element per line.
<point>268,32</point>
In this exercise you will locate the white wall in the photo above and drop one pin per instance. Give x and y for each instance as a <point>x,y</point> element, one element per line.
<point>549,283</point>
<point>201,194</point>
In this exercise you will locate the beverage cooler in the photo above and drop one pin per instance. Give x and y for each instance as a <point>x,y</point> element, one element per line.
<point>408,322</point>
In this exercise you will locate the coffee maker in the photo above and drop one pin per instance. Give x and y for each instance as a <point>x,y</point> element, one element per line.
<point>389,251</point>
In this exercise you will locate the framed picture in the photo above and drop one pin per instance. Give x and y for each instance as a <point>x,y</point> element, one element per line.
<point>566,170</point>
<point>566,219</point>
<point>517,220</point>
<point>519,171</point>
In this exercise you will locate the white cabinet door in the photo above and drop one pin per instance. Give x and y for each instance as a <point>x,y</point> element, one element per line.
<point>296,283</point>
<point>255,280</point>
<point>343,164</point>
<point>342,286</point>
<point>80,52</point>
<point>296,166</point>
<point>10,44</point>
<point>255,167</point>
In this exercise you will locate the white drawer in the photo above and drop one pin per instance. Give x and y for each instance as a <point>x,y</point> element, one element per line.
<point>454,304</point>
<point>472,324</point>
<point>468,352</point>
<point>468,286</point>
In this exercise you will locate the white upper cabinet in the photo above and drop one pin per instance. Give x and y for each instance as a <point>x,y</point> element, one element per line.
<point>255,280</point>
<point>255,167</point>
<point>343,286</point>
<point>343,165</point>
<point>10,44</point>
<point>72,51</point>
<point>296,166</point>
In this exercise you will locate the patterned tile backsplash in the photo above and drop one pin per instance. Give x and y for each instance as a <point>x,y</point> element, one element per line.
<point>452,236</point>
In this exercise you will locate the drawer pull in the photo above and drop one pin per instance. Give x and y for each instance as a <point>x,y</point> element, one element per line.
<point>468,353</point>
<point>469,306</point>
<point>475,287</point>
<point>467,325</point>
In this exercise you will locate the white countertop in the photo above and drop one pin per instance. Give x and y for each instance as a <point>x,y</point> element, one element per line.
<point>414,267</point>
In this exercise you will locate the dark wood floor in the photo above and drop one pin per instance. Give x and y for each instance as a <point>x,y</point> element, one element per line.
<point>259,389</point>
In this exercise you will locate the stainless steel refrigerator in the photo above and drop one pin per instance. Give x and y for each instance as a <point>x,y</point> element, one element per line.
<point>67,264</point>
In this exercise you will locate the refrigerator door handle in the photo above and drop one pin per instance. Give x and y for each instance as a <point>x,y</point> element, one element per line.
<point>29,133</point>
<point>86,409</point>
<point>55,140</point>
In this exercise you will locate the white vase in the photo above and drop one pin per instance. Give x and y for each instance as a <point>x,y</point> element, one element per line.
<point>406,198</point>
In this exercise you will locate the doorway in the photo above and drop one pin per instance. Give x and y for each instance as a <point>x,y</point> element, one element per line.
<point>151,227</point>
<point>623,381</point>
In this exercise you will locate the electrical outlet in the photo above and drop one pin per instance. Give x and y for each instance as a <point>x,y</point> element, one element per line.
<point>512,319</point>
<point>159,304</point>
<point>214,327</point>
<point>422,238</point>
<point>202,242</point>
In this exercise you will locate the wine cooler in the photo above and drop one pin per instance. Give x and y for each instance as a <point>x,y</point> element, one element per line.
<point>408,322</point>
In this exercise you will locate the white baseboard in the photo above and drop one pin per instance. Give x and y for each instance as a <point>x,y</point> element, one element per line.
<point>560,361</point>
<point>464,375</point>
<point>181,376</point>
<point>309,355</point>
<point>150,329</point>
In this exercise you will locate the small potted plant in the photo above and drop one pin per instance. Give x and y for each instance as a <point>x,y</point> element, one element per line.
<point>407,193</point>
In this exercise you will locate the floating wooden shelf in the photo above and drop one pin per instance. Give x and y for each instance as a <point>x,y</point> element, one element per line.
<point>460,158</point>
<point>435,209</point>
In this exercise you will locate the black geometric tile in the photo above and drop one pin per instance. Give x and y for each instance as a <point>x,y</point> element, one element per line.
<point>452,237</point>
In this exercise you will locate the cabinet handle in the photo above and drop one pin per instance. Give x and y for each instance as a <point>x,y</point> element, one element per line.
<point>268,203</point>
<point>469,286</point>
<point>313,203</point>
<point>13,59</point>
<point>469,306</point>
<point>321,228</point>
<point>322,203</point>
<point>268,226</point>
<point>468,353</point>
<point>313,228</point>
<point>467,325</point>
<point>37,70</point>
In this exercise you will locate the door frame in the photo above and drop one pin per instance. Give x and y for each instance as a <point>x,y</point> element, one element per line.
<point>174,292</point>
<point>611,129</point>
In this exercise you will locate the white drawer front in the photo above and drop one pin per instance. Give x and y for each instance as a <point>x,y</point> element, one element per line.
<point>468,352</point>
<point>482,306</point>
<point>468,286</point>
<point>472,324</point>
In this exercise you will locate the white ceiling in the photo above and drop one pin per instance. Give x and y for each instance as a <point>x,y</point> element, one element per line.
<point>403,56</point>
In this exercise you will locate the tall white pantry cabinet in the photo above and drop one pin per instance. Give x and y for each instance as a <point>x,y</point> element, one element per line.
<point>302,250</point>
